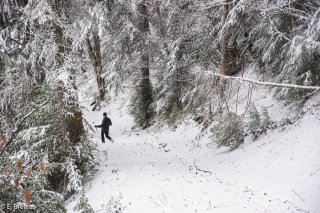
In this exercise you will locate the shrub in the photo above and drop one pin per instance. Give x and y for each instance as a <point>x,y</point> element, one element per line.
<point>229,131</point>
<point>254,121</point>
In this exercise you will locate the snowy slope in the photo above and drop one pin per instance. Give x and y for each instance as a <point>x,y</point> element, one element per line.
<point>160,170</point>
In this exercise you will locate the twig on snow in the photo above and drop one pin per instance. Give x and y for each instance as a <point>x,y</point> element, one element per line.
<point>200,170</point>
<point>298,195</point>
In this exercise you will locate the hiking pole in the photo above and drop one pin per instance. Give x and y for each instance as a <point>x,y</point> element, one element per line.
<point>96,128</point>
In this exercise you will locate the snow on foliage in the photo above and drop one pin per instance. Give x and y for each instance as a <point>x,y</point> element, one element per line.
<point>228,132</point>
<point>75,179</point>
<point>161,52</point>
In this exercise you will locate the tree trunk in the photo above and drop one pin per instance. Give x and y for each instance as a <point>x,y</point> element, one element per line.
<point>73,121</point>
<point>176,81</point>
<point>3,16</point>
<point>58,31</point>
<point>224,43</point>
<point>22,3</point>
<point>97,50</point>
<point>161,21</point>
<point>146,90</point>
<point>95,56</point>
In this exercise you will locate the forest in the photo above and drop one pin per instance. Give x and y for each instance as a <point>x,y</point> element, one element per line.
<point>226,66</point>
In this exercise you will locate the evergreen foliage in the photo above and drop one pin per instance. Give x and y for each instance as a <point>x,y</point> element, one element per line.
<point>229,131</point>
<point>83,206</point>
<point>265,119</point>
<point>48,152</point>
<point>44,139</point>
<point>180,55</point>
<point>254,121</point>
<point>160,49</point>
<point>257,122</point>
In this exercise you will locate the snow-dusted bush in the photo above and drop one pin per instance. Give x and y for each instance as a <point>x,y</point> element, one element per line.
<point>254,121</point>
<point>257,122</point>
<point>83,206</point>
<point>264,117</point>
<point>229,131</point>
<point>115,205</point>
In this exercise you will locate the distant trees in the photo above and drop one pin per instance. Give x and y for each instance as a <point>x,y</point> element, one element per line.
<point>219,36</point>
<point>184,32</point>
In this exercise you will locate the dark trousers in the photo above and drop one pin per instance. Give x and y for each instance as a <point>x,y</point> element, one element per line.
<point>105,132</point>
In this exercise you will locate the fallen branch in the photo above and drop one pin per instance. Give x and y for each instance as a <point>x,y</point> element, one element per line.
<point>298,195</point>
<point>268,84</point>
<point>200,170</point>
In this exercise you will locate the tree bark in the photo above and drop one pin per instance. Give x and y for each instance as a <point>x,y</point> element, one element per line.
<point>146,89</point>
<point>94,52</point>
<point>58,32</point>
<point>224,63</point>
<point>73,122</point>
<point>176,81</point>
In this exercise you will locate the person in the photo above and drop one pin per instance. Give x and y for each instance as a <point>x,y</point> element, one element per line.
<point>106,122</point>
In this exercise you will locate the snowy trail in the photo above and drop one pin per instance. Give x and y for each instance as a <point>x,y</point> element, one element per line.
<point>149,179</point>
<point>153,171</point>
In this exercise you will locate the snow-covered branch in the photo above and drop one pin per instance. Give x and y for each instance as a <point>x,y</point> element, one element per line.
<point>22,121</point>
<point>269,84</point>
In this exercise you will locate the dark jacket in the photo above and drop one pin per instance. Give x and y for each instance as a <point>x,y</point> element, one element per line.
<point>106,122</point>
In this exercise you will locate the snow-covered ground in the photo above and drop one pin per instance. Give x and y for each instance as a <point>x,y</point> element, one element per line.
<point>161,170</point>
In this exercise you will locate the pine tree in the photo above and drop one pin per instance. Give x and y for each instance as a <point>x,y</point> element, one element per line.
<point>143,96</point>
<point>228,132</point>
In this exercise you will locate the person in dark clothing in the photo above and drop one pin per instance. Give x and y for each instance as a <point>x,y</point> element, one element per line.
<point>106,122</point>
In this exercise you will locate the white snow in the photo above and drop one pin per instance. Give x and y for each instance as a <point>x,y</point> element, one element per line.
<point>162,170</point>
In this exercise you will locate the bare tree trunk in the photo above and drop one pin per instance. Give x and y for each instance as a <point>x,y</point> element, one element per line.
<point>95,56</point>
<point>146,90</point>
<point>224,43</point>
<point>101,83</point>
<point>160,19</point>
<point>177,81</point>
<point>2,70</point>
<point>58,31</point>
<point>22,3</point>
<point>175,102</point>
<point>3,16</point>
